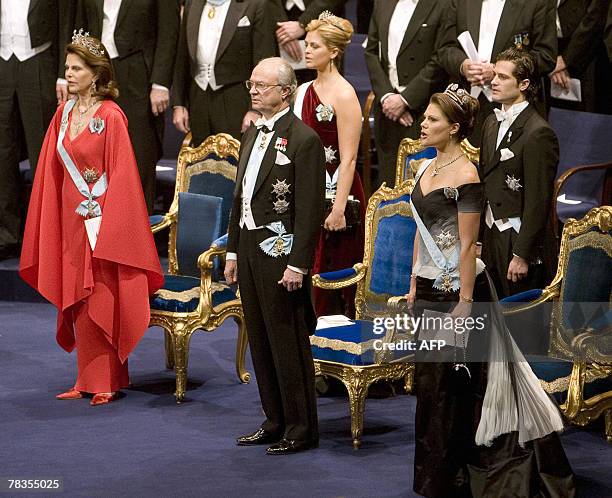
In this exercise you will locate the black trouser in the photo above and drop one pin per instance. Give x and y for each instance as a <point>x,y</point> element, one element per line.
<point>278,325</point>
<point>146,129</point>
<point>27,104</point>
<point>217,111</point>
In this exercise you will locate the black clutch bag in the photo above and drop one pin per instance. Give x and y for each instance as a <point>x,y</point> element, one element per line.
<point>352,212</point>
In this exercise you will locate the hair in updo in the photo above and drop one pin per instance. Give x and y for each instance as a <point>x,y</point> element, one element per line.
<point>100,64</point>
<point>335,31</point>
<point>459,107</point>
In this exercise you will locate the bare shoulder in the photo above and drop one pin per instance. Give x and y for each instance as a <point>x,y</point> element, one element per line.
<point>467,173</point>
<point>344,93</point>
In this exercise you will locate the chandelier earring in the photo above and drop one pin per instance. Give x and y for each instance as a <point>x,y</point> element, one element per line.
<point>92,88</point>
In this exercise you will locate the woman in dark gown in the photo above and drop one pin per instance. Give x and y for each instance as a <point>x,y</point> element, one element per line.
<point>330,106</point>
<point>484,426</point>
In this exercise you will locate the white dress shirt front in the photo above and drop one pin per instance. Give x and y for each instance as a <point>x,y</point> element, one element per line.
<point>15,31</point>
<point>208,44</point>
<point>109,23</point>
<point>397,29</point>
<point>289,4</point>
<point>504,126</point>
<point>559,30</point>
<point>490,16</point>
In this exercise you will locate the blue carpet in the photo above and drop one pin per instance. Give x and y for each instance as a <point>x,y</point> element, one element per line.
<point>146,445</point>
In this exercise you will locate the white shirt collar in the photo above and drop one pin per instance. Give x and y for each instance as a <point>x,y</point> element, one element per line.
<point>269,123</point>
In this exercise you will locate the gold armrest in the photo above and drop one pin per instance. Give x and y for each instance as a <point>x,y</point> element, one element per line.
<point>360,268</point>
<point>205,260</point>
<point>397,303</point>
<point>547,294</point>
<point>169,218</point>
<point>586,346</point>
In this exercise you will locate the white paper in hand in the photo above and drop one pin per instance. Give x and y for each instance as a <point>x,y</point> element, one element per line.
<point>92,227</point>
<point>301,64</point>
<point>469,47</point>
<point>574,94</point>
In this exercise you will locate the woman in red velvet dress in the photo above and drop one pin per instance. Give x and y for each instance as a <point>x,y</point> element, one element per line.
<point>330,106</point>
<point>99,277</point>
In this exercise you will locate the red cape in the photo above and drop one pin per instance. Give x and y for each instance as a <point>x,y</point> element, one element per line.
<point>119,275</point>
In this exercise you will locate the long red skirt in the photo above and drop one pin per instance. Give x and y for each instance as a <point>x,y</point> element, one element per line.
<point>99,367</point>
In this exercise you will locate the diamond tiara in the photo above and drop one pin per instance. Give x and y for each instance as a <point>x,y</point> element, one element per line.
<point>84,40</point>
<point>458,95</point>
<point>332,19</point>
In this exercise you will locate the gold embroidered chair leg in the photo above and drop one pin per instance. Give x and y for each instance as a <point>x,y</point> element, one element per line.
<point>609,425</point>
<point>409,380</point>
<point>181,337</point>
<point>169,347</point>
<point>357,388</point>
<point>241,347</point>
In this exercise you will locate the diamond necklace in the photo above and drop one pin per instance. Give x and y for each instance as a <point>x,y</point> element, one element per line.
<point>436,168</point>
<point>79,123</point>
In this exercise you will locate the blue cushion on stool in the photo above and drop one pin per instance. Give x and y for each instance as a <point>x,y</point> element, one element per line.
<point>181,294</point>
<point>351,344</point>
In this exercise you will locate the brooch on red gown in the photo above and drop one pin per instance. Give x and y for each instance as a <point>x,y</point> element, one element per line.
<point>90,175</point>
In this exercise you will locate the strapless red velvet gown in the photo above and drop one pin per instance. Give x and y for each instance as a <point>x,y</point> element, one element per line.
<point>335,250</point>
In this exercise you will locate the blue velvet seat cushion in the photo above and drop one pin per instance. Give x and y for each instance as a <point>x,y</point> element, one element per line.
<point>180,294</point>
<point>556,373</point>
<point>350,344</point>
<point>522,297</point>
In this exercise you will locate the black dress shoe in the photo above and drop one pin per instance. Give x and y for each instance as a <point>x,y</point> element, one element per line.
<point>286,446</point>
<point>260,436</point>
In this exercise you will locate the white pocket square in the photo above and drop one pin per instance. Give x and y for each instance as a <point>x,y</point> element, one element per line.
<point>281,158</point>
<point>244,22</point>
<point>506,154</point>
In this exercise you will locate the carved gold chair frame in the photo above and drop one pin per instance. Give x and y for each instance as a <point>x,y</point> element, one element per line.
<point>589,362</point>
<point>178,326</point>
<point>410,146</point>
<point>368,305</point>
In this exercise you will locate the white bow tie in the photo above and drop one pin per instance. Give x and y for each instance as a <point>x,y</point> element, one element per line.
<point>503,115</point>
<point>262,123</point>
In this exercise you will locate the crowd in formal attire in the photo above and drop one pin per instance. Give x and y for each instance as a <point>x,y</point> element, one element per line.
<point>269,72</point>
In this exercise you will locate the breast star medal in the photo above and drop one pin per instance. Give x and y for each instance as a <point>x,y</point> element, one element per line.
<point>281,205</point>
<point>281,187</point>
<point>513,183</point>
<point>445,239</point>
<point>330,154</point>
<point>90,175</point>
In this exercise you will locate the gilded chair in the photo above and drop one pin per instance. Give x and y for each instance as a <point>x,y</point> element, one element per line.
<point>193,296</point>
<point>410,154</point>
<point>210,169</point>
<point>350,353</point>
<point>578,368</point>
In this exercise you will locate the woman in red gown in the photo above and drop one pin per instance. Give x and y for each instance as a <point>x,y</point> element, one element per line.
<point>330,106</point>
<point>99,277</point>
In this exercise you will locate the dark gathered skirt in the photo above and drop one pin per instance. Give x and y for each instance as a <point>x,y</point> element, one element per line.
<point>447,461</point>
